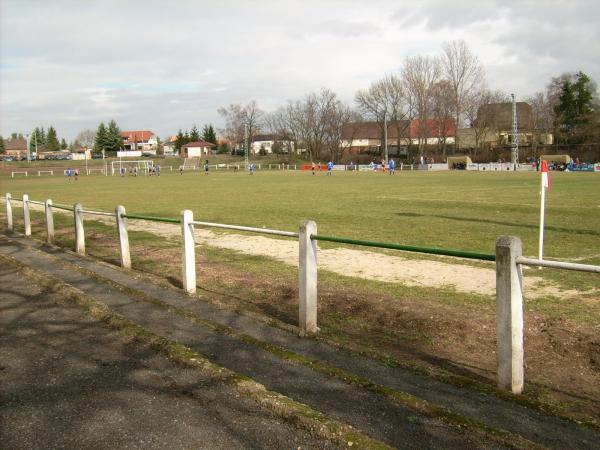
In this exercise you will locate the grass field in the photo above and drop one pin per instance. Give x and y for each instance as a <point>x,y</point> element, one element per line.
<point>463,210</point>
<point>432,328</point>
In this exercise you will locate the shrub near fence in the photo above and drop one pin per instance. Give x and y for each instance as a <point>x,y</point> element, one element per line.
<point>508,258</point>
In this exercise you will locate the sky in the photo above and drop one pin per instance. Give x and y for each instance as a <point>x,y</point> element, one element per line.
<point>162,66</point>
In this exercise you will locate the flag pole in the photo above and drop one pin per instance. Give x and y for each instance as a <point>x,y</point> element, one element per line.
<point>545,184</point>
<point>542,212</point>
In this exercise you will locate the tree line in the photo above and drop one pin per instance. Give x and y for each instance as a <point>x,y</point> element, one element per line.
<point>450,88</point>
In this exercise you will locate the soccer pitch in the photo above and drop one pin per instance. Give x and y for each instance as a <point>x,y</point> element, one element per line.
<point>459,210</point>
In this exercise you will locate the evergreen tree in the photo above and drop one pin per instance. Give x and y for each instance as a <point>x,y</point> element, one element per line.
<point>179,141</point>
<point>113,139</point>
<point>208,134</point>
<point>13,136</point>
<point>575,108</point>
<point>2,149</point>
<point>186,137</point>
<point>101,138</point>
<point>52,143</point>
<point>37,140</point>
<point>194,134</point>
<point>63,144</point>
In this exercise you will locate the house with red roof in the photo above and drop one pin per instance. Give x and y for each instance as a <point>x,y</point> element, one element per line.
<point>358,137</point>
<point>143,140</point>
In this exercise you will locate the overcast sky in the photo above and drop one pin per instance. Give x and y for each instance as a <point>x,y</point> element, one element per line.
<point>162,65</point>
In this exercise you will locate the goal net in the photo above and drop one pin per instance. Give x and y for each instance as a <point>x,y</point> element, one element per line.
<point>142,167</point>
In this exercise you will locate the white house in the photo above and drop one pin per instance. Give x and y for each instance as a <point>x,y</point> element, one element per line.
<point>266,142</point>
<point>139,140</point>
<point>197,149</point>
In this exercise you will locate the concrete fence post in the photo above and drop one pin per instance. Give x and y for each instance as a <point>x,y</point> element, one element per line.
<point>26,215</point>
<point>189,252</point>
<point>79,233</point>
<point>509,314</point>
<point>123,237</point>
<point>9,215</point>
<point>307,278</point>
<point>49,222</point>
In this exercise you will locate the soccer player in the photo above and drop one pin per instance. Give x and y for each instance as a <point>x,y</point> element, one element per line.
<point>329,167</point>
<point>392,166</point>
<point>251,167</point>
<point>206,167</point>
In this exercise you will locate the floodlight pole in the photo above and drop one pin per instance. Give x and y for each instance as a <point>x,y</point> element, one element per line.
<point>246,150</point>
<point>514,154</point>
<point>27,143</point>
<point>385,136</point>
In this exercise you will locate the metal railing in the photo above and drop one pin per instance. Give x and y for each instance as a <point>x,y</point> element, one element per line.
<point>508,259</point>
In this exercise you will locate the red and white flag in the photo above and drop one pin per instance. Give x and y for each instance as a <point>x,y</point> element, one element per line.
<point>545,175</point>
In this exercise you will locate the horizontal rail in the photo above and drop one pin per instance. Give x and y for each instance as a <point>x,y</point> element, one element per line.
<point>35,202</point>
<point>408,248</point>
<point>151,218</point>
<point>242,228</point>
<point>98,213</point>
<point>66,208</point>
<point>557,264</point>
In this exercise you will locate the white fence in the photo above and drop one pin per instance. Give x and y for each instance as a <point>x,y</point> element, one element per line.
<point>508,259</point>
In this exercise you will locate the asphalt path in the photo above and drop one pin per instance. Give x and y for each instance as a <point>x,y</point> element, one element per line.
<point>67,381</point>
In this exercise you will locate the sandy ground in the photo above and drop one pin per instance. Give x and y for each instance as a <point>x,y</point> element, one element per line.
<point>359,263</point>
<point>356,262</point>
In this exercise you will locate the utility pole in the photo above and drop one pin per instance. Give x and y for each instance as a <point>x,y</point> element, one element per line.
<point>514,154</point>
<point>246,150</point>
<point>385,136</point>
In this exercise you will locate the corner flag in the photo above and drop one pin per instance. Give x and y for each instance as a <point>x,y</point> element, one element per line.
<point>545,175</point>
<point>545,186</point>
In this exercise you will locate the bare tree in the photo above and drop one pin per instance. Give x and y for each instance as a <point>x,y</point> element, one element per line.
<point>387,99</point>
<point>420,74</point>
<point>465,74</point>
<point>86,138</point>
<point>442,110</point>
<point>238,118</point>
<point>484,124</point>
<point>543,116</point>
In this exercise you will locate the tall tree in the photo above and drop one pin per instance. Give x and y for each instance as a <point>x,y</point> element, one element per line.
<point>194,134</point>
<point>208,134</point>
<point>465,74</point>
<point>101,141</point>
<point>420,74</point>
<point>484,125</point>
<point>387,100</point>
<point>86,138</point>
<point>240,120</point>
<point>2,148</point>
<point>114,141</point>
<point>52,143</point>
<point>63,144</point>
<point>442,110</point>
<point>575,108</point>
<point>542,115</point>
<point>179,141</point>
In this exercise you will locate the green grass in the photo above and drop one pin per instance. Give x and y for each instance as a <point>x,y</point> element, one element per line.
<point>458,210</point>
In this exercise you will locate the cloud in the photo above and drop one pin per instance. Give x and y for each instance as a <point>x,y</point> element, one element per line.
<point>161,65</point>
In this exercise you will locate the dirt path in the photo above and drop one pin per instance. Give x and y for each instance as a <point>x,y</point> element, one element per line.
<point>357,263</point>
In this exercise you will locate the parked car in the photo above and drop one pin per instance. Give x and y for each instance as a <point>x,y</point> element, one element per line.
<point>96,155</point>
<point>8,158</point>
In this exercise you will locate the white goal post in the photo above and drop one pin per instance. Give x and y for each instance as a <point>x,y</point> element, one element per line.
<point>142,166</point>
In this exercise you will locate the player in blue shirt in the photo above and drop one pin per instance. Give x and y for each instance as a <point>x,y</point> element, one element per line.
<point>251,167</point>
<point>329,167</point>
<point>392,164</point>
